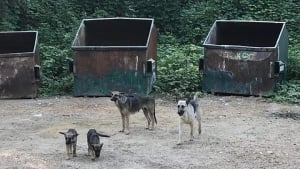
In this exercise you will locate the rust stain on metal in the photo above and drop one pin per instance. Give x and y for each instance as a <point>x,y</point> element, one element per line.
<point>239,57</point>
<point>18,57</point>
<point>110,58</point>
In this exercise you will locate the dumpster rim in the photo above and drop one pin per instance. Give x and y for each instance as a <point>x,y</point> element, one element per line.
<point>11,55</point>
<point>119,18</point>
<point>237,47</point>
<point>109,47</point>
<point>22,54</point>
<point>209,45</point>
<point>95,48</point>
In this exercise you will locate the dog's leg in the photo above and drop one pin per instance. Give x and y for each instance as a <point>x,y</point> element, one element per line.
<point>147,117</point>
<point>199,125</point>
<point>89,150</point>
<point>179,132</point>
<point>123,122</point>
<point>152,116</point>
<point>192,131</point>
<point>74,150</point>
<point>198,117</point>
<point>151,112</point>
<point>127,124</point>
<point>101,145</point>
<point>93,155</point>
<point>68,147</point>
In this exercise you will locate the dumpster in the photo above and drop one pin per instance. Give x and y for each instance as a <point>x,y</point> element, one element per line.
<point>19,64</point>
<point>114,54</point>
<point>245,57</point>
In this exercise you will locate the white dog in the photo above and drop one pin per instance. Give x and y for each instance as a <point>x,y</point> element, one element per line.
<point>189,111</point>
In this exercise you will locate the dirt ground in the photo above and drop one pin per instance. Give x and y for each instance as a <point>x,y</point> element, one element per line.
<point>237,132</point>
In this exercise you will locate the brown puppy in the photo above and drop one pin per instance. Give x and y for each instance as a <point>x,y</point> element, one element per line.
<point>71,141</point>
<point>130,104</point>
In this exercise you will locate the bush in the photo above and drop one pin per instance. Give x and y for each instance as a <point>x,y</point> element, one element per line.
<point>293,65</point>
<point>56,79</point>
<point>178,68</point>
<point>288,93</point>
<point>188,20</point>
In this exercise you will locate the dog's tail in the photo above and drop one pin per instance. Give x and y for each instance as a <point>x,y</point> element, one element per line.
<point>102,135</point>
<point>196,96</point>
<point>196,99</point>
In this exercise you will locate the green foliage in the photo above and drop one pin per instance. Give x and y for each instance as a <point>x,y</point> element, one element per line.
<point>289,93</point>
<point>178,68</point>
<point>10,13</point>
<point>165,13</point>
<point>293,65</point>
<point>182,26</point>
<point>56,79</point>
<point>195,22</point>
<point>198,16</point>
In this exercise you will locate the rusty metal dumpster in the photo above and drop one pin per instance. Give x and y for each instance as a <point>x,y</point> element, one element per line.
<point>19,64</point>
<point>245,57</point>
<point>114,54</point>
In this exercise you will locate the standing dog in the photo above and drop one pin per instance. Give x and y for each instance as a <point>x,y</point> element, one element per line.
<point>71,141</point>
<point>130,104</point>
<point>188,112</point>
<point>94,145</point>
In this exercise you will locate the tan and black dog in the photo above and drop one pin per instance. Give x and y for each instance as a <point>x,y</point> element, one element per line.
<point>94,145</point>
<point>71,141</point>
<point>132,103</point>
<point>189,111</point>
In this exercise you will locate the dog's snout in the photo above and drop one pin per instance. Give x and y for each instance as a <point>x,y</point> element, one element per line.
<point>180,112</point>
<point>68,140</point>
<point>113,98</point>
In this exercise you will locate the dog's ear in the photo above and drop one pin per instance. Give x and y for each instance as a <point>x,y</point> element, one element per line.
<point>176,98</point>
<point>115,93</point>
<point>188,101</point>
<point>123,99</point>
<point>62,133</point>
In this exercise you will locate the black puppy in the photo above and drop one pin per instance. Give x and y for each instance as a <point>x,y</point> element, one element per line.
<point>94,145</point>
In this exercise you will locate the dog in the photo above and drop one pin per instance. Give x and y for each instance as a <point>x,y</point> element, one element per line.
<point>130,104</point>
<point>189,111</point>
<point>71,141</point>
<point>94,145</point>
